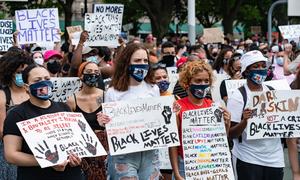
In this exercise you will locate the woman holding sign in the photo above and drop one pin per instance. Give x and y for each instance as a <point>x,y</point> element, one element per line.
<point>128,83</point>
<point>259,159</point>
<point>196,77</point>
<point>39,87</point>
<point>88,101</point>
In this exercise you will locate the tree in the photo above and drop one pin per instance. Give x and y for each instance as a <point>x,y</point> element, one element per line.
<point>207,12</point>
<point>160,13</point>
<point>67,6</point>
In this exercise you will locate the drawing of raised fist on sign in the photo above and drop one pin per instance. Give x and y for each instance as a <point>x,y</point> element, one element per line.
<point>49,155</point>
<point>167,113</point>
<point>88,145</point>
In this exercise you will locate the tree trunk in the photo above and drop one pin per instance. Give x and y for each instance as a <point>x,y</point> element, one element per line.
<point>68,15</point>
<point>227,25</point>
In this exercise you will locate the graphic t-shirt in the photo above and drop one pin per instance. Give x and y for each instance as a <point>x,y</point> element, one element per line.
<point>187,105</point>
<point>25,111</point>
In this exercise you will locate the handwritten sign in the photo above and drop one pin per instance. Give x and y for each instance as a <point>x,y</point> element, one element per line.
<point>215,88</point>
<point>6,34</point>
<point>280,84</point>
<point>213,35</point>
<point>205,146</point>
<point>232,85</point>
<point>173,77</point>
<point>63,87</point>
<point>276,114</point>
<point>141,125</point>
<point>74,33</point>
<point>104,25</point>
<point>52,137</point>
<point>37,25</point>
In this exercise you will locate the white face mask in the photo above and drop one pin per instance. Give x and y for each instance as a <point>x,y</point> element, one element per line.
<point>39,61</point>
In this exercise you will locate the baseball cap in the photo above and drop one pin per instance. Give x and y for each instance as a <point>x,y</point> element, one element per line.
<point>250,58</point>
<point>87,49</point>
<point>181,61</point>
<point>275,49</point>
<point>51,53</point>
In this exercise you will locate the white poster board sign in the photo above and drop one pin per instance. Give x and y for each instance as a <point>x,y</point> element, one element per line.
<point>6,35</point>
<point>63,87</point>
<point>141,125</point>
<point>232,85</point>
<point>173,77</point>
<point>37,25</point>
<point>205,146</point>
<point>215,88</point>
<point>276,114</point>
<point>52,137</point>
<point>164,159</point>
<point>293,7</point>
<point>104,25</point>
<point>290,32</point>
<point>74,34</point>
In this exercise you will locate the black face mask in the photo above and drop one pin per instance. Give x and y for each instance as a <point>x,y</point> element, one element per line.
<point>168,60</point>
<point>54,67</point>
<point>91,79</point>
<point>214,54</point>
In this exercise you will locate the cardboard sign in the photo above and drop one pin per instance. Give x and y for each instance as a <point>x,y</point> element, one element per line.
<point>37,25</point>
<point>6,34</point>
<point>276,114</point>
<point>63,87</point>
<point>104,25</point>
<point>141,125</point>
<point>205,146</point>
<point>74,34</point>
<point>52,137</point>
<point>213,35</point>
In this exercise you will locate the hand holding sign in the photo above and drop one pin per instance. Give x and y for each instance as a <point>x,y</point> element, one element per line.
<point>83,37</point>
<point>50,156</point>
<point>88,141</point>
<point>103,119</point>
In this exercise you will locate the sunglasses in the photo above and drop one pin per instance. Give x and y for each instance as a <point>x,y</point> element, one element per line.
<point>158,66</point>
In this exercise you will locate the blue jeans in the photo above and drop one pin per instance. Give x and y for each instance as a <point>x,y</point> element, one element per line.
<point>134,166</point>
<point>180,168</point>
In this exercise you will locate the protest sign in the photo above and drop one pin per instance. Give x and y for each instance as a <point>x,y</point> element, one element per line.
<point>164,159</point>
<point>215,88</point>
<point>275,114</point>
<point>6,34</point>
<point>280,84</point>
<point>290,32</point>
<point>63,87</point>
<point>205,146</point>
<point>37,25</point>
<point>141,125</point>
<point>213,35</point>
<point>233,85</point>
<point>74,34</point>
<point>173,77</point>
<point>104,25</point>
<point>52,137</point>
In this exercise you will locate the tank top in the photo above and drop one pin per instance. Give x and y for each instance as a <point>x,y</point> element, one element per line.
<point>91,118</point>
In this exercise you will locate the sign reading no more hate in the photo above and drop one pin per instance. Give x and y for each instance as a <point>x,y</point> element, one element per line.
<point>141,125</point>
<point>276,114</point>
<point>104,25</point>
<point>6,34</point>
<point>205,147</point>
<point>37,25</point>
<point>52,137</point>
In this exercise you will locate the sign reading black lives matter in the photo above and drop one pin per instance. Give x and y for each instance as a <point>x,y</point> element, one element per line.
<point>205,146</point>
<point>6,34</point>
<point>63,87</point>
<point>141,125</point>
<point>104,25</point>
<point>52,137</point>
<point>276,114</point>
<point>37,25</point>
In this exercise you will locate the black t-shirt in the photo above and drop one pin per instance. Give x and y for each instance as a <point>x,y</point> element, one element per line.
<point>25,111</point>
<point>223,90</point>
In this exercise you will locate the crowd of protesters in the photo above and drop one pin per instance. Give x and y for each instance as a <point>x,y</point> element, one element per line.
<point>138,69</point>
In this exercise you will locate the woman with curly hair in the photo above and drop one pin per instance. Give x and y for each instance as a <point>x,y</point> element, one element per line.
<point>196,77</point>
<point>12,93</point>
<point>131,67</point>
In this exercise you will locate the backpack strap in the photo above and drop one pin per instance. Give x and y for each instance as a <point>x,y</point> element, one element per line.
<point>242,90</point>
<point>270,87</point>
<point>7,96</point>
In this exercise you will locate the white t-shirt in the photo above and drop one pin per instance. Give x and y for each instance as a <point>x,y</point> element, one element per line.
<point>143,90</point>
<point>264,152</point>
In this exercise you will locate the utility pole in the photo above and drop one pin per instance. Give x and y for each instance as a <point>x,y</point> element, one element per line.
<point>192,21</point>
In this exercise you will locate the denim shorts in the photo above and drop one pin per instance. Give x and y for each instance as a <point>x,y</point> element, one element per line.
<point>180,168</point>
<point>140,166</point>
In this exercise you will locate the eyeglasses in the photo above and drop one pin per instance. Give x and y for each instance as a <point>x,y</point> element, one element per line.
<point>158,65</point>
<point>236,58</point>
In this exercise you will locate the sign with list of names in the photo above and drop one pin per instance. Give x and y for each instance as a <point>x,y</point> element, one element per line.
<point>141,125</point>
<point>205,146</point>
<point>52,137</point>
